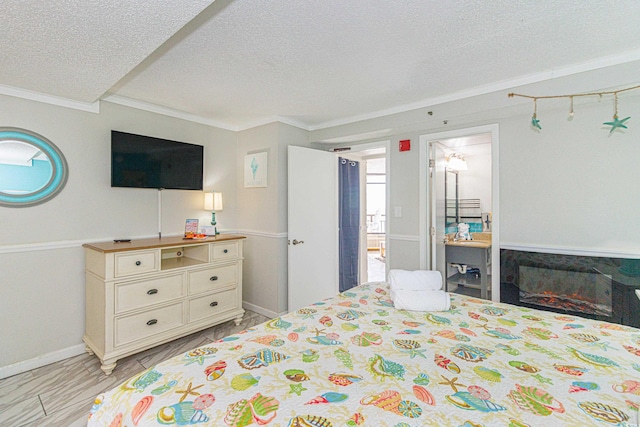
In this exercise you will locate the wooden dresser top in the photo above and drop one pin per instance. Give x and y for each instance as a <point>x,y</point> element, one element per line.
<point>156,242</point>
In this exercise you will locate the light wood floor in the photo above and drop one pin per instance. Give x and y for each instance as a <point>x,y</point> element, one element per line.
<point>61,394</point>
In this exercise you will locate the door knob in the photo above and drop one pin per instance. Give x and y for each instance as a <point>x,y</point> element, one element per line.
<point>298,242</point>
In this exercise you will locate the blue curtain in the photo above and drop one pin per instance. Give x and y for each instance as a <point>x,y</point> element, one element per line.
<point>349,222</point>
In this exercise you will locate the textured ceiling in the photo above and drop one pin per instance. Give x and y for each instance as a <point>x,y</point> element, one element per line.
<point>240,63</point>
<point>80,49</point>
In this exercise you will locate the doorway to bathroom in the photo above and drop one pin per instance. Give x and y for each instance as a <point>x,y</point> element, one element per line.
<point>459,199</point>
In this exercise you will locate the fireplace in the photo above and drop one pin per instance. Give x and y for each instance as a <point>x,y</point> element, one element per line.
<point>594,287</point>
<point>587,293</point>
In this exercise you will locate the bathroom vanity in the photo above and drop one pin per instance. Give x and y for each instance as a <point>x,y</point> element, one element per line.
<point>472,253</point>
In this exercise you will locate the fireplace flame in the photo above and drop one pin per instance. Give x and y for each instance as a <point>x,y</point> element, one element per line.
<point>568,302</point>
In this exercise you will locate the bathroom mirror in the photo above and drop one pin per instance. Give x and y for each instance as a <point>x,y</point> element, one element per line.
<point>452,201</point>
<point>32,169</point>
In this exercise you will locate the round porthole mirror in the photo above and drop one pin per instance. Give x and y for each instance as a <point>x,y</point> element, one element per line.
<point>32,169</point>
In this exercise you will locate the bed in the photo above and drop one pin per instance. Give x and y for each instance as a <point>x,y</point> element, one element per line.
<point>354,360</point>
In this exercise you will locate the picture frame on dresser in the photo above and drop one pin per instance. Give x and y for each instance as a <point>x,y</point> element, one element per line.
<point>156,290</point>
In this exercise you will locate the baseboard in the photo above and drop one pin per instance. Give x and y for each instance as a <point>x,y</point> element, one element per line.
<point>40,361</point>
<point>260,310</point>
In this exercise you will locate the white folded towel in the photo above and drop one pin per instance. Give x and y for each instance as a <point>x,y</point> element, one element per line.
<point>422,300</point>
<point>417,280</point>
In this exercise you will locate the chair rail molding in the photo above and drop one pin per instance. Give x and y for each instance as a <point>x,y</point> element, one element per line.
<point>404,237</point>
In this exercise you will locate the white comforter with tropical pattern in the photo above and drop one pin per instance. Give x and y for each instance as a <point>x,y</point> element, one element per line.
<point>354,360</point>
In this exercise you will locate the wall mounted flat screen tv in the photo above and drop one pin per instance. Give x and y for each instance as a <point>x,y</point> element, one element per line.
<point>145,162</point>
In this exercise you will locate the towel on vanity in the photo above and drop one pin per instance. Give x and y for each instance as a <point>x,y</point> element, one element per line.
<point>417,280</point>
<point>422,300</point>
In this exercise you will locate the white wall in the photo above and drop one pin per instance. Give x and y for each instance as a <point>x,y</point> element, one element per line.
<point>41,259</point>
<point>262,216</point>
<point>572,184</point>
<point>475,183</point>
<point>568,187</point>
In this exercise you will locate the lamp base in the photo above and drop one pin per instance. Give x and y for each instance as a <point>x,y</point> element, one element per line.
<point>213,222</point>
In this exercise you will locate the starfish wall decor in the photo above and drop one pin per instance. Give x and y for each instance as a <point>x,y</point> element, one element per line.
<point>616,123</point>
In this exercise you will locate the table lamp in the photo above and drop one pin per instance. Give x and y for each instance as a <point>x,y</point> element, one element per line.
<point>213,203</point>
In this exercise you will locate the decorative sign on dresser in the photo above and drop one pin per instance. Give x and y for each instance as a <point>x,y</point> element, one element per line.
<point>146,292</point>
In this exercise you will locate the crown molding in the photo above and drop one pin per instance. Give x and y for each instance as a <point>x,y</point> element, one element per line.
<point>592,65</point>
<point>91,107</point>
<point>166,111</point>
<point>274,119</point>
<point>94,107</point>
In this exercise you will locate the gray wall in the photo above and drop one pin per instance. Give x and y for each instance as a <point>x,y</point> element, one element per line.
<point>262,216</point>
<point>41,258</point>
<point>570,186</point>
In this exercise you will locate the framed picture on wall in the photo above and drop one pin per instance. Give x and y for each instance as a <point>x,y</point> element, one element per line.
<point>255,170</point>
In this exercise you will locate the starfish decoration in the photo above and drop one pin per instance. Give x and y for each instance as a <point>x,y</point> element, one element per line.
<point>318,331</point>
<point>199,356</point>
<point>386,328</point>
<point>535,122</point>
<point>297,389</point>
<point>616,123</point>
<point>543,380</point>
<point>189,391</point>
<point>194,359</point>
<point>415,352</point>
<point>452,383</point>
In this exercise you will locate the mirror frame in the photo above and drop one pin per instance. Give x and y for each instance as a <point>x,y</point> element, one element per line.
<point>456,207</point>
<point>59,173</point>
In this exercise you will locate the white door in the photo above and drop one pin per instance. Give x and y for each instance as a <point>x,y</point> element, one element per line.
<point>436,175</point>
<point>313,226</point>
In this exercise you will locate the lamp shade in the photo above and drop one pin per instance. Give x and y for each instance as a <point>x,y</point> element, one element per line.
<point>217,201</point>
<point>213,201</point>
<point>208,201</point>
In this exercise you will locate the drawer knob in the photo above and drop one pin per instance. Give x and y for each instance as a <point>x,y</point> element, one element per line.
<point>213,304</point>
<point>152,291</point>
<point>152,322</point>
<point>213,278</point>
<point>226,251</point>
<point>138,263</point>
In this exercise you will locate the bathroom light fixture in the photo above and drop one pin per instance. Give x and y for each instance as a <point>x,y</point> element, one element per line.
<point>616,123</point>
<point>456,162</point>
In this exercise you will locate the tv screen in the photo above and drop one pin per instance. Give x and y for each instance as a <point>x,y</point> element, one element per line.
<point>146,162</point>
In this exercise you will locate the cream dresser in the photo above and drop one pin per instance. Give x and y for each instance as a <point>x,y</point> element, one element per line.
<point>147,292</point>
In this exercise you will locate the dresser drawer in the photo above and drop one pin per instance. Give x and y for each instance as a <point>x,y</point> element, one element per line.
<point>223,251</point>
<point>133,295</point>
<point>212,278</point>
<point>212,305</point>
<point>130,263</point>
<point>140,326</point>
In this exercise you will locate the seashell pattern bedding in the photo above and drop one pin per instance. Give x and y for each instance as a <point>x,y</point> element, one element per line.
<point>354,360</point>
